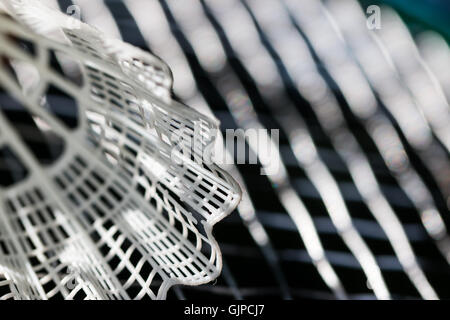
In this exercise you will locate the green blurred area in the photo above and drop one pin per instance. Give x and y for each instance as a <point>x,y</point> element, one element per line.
<point>420,15</point>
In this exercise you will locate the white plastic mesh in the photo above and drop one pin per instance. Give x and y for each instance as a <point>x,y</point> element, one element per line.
<point>117,214</point>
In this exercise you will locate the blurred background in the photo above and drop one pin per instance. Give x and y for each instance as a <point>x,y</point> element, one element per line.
<point>359,91</point>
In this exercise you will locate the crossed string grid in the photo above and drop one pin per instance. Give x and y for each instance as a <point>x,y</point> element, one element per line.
<point>139,32</point>
<point>113,216</point>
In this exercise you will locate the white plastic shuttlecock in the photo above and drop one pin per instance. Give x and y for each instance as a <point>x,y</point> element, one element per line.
<point>118,214</point>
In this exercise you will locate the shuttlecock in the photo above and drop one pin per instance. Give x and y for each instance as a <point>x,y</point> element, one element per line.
<point>126,208</point>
